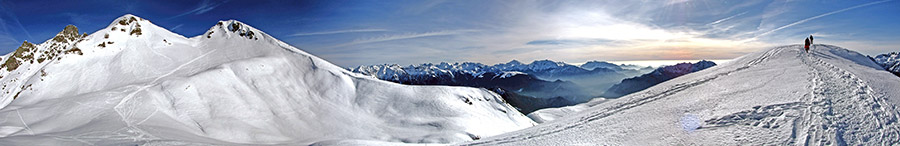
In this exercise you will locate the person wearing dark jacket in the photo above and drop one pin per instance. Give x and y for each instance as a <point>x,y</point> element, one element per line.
<point>810,40</point>
<point>806,46</point>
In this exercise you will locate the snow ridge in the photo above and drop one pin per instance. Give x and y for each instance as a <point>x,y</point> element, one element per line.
<point>135,83</point>
<point>628,103</point>
<point>782,96</point>
<point>844,110</point>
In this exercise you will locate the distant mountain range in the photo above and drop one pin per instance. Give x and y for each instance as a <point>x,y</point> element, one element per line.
<point>539,84</point>
<point>890,62</point>
<point>778,96</point>
<point>659,75</point>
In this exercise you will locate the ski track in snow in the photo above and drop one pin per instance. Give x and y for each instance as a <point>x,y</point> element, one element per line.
<point>839,110</point>
<point>23,123</point>
<point>602,113</point>
<point>843,110</point>
<point>128,112</point>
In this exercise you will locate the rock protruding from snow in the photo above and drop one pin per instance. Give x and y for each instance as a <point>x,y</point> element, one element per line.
<point>137,83</point>
<point>23,67</point>
<point>233,27</point>
<point>129,24</point>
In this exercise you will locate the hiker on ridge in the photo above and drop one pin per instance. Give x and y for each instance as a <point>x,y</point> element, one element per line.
<point>806,46</point>
<point>810,40</point>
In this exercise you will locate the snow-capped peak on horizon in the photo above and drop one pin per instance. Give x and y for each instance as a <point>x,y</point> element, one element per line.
<point>541,64</point>
<point>545,64</point>
<point>890,62</point>
<point>600,64</point>
<point>545,68</point>
<point>514,62</point>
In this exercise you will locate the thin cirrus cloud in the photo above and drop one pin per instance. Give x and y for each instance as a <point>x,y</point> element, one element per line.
<point>820,16</point>
<point>177,27</point>
<point>578,31</point>
<point>726,19</point>
<point>337,32</point>
<point>205,6</point>
<point>570,42</point>
<point>584,34</point>
<point>11,17</point>
<point>571,31</point>
<point>386,38</point>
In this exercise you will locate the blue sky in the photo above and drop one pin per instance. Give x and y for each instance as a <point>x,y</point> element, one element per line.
<point>351,33</point>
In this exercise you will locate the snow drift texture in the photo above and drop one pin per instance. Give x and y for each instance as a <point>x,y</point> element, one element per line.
<point>135,83</point>
<point>781,96</point>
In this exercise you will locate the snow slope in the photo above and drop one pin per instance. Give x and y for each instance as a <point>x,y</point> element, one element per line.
<point>781,96</point>
<point>136,83</point>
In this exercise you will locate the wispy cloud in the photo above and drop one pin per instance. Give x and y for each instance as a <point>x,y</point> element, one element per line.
<point>205,6</point>
<point>673,2</point>
<point>337,32</point>
<point>425,7</point>
<point>577,31</point>
<point>402,36</point>
<point>570,42</point>
<point>13,19</point>
<point>726,19</point>
<point>177,27</point>
<point>819,16</point>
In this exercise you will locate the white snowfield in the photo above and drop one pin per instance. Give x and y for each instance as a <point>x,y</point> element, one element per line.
<point>782,96</point>
<point>233,85</point>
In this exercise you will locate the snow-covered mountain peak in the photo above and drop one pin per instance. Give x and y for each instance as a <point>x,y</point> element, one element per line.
<point>514,62</point>
<point>546,64</point>
<point>68,34</point>
<point>126,20</point>
<point>130,24</point>
<point>890,62</point>
<point>138,83</point>
<point>30,53</point>
<point>229,28</point>
<point>128,32</point>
